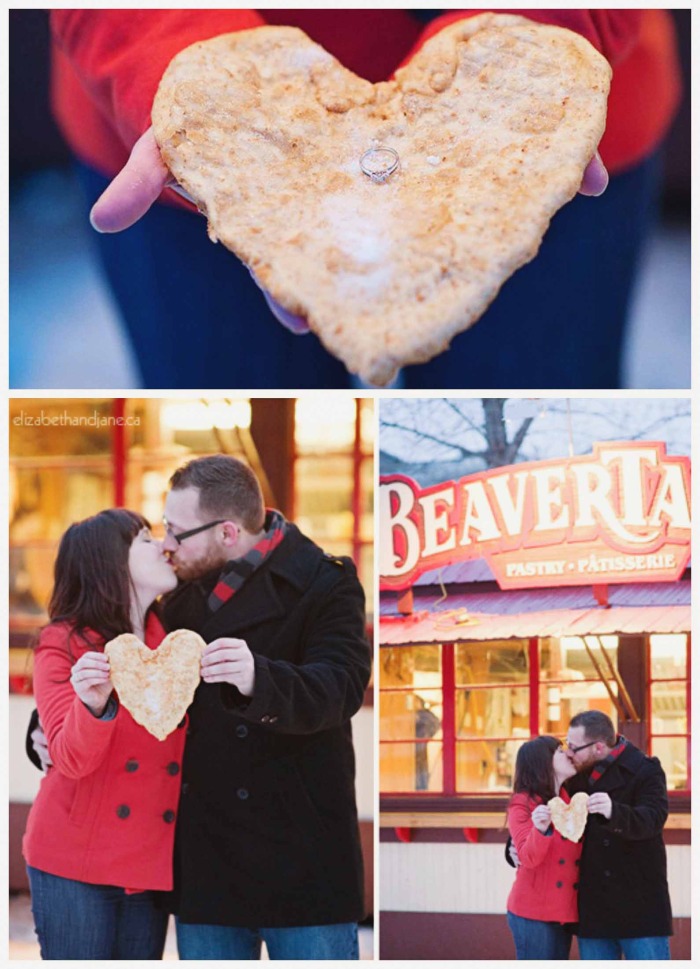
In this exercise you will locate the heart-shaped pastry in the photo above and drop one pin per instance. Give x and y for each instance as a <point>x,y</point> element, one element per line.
<point>488,129</point>
<point>156,685</point>
<point>570,819</point>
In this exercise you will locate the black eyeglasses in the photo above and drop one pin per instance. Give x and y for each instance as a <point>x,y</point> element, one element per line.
<point>575,750</point>
<point>181,536</point>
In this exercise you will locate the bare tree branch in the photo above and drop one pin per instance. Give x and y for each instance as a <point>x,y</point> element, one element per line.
<point>518,439</point>
<point>465,452</point>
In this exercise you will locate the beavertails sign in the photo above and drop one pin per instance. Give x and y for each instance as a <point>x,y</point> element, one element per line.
<point>621,514</point>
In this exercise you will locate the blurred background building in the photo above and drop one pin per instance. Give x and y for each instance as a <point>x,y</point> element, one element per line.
<point>70,458</point>
<point>56,279</point>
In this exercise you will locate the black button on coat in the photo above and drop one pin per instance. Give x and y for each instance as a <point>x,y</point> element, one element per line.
<point>289,853</point>
<point>623,887</point>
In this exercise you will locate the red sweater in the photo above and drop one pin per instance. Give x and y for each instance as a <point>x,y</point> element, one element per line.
<point>107,65</point>
<point>105,812</point>
<point>546,881</point>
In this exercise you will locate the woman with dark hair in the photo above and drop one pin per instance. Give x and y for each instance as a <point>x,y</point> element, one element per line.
<point>543,903</point>
<point>99,839</point>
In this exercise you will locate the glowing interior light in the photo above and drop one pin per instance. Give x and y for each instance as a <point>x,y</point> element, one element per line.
<point>198,415</point>
<point>326,424</point>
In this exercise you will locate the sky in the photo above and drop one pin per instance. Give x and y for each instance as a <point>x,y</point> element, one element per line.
<point>438,431</point>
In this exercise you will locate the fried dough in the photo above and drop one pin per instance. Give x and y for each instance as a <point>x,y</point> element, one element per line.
<point>570,819</point>
<point>156,685</point>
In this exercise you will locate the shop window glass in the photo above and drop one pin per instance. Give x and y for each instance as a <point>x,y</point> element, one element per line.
<point>668,711</point>
<point>560,702</point>
<point>324,498</point>
<point>486,766</point>
<point>411,708</point>
<point>492,703</point>
<point>407,768</point>
<point>672,752</point>
<point>669,736</point>
<point>500,712</point>
<point>43,503</point>
<point>325,426</point>
<point>405,715</point>
<point>668,656</point>
<point>205,417</point>
<point>334,477</point>
<point>411,667</point>
<point>490,713</point>
<point>493,662</point>
<point>571,680</point>
<point>567,658</point>
<point>367,424</point>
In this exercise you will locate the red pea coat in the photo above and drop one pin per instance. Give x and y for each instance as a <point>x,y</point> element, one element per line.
<point>105,812</point>
<point>546,883</point>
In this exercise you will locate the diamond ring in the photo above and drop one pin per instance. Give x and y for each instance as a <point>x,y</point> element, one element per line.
<point>379,163</point>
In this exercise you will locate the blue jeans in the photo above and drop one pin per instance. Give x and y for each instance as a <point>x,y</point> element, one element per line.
<point>651,947</point>
<point>539,940</point>
<point>299,943</point>
<point>75,920</point>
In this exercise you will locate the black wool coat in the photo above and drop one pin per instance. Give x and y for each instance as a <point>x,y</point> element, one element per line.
<point>267,832</point>
<point>623,888</point>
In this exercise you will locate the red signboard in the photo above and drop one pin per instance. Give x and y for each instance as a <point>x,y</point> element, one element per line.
<point>621,514</point>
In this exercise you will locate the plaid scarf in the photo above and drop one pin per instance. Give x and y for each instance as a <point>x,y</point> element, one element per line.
<point>602,765</point>
<point>237,571</point>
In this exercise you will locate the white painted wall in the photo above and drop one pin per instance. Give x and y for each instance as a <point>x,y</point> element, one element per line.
<point>363,741</point>
<point>476,878</point>
<point>24,777</point>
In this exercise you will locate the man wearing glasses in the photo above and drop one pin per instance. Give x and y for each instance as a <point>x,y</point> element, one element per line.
<point>624,905</point>
<point>267,843</point>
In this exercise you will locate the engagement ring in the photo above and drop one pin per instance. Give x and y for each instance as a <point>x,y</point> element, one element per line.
<point>379,163</point>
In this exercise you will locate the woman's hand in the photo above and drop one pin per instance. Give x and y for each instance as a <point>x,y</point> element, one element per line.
<point>542,818</point>
<point>91,681</point>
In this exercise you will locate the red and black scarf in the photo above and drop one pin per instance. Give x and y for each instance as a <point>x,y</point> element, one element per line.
<point>237,571</point>
<point>600,768</point>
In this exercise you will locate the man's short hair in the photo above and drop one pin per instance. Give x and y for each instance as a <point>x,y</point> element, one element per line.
<point>597,726</point>
<point>227,488</point>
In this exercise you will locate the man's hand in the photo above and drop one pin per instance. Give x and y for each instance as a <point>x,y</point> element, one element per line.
<point>229,661</point>
<point>133,191</point>
<point>600,803</point>
<point>541,818</point>
<point>41,747</point>
<point>91,681</point>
